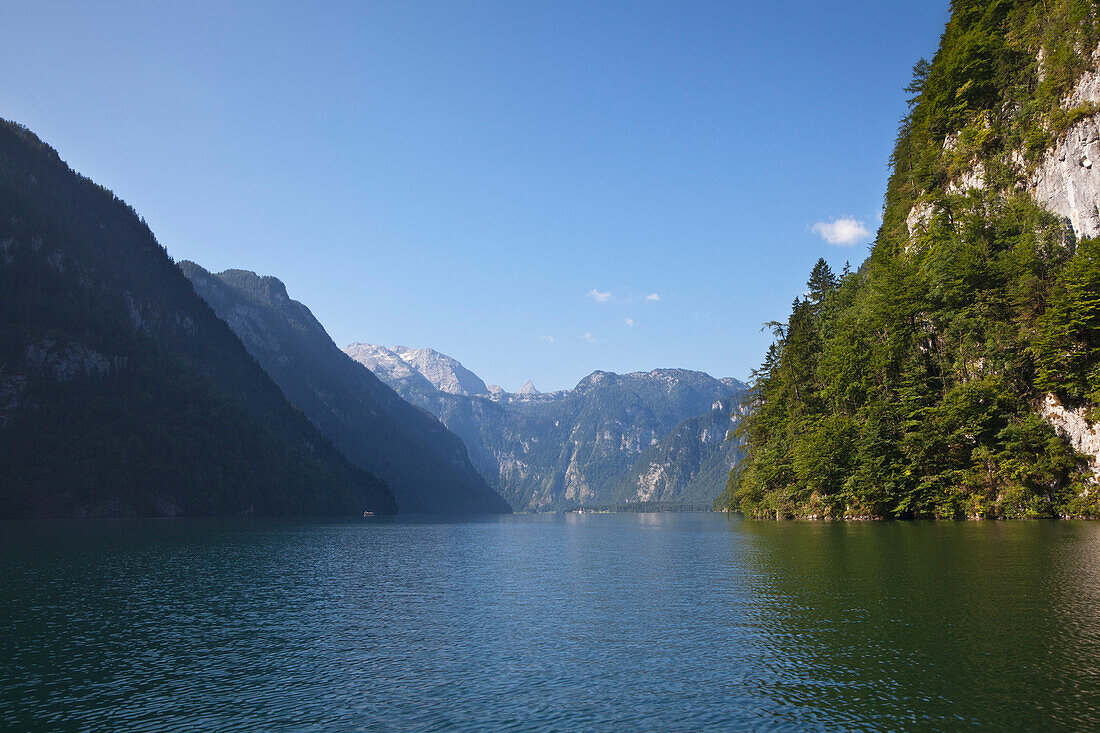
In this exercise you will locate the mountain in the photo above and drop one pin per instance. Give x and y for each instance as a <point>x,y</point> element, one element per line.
<point>956,373</point>
<point>425,369</point>
<point>121,392</point>
<point>389,367</point>
<point>576,448</point>
<point>528,388</point>
<point>445,374</point>
<point>687,464</point>
<point>425,465</point>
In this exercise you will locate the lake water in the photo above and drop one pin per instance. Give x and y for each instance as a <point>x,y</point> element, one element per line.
<point>595,622</point>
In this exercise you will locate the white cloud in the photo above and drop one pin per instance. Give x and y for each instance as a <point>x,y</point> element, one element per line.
<point>587,336</point>
<point>629,321</point>
<point>653,297</point>
<point>844,232</point>
<point>599,296</point>
<point>547,339</point>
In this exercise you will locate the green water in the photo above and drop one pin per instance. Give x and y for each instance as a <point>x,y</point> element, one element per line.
<point>596,622</point>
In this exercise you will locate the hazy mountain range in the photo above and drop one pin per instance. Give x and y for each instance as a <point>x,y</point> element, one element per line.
<point>656,436</point>
<point>133,386</point>
<point>425,465</point>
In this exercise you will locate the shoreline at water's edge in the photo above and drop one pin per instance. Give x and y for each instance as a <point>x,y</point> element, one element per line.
<point>873,518</point>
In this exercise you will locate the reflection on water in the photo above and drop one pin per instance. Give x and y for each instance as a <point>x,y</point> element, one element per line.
<point>595,622</point>
<point>934,624</point>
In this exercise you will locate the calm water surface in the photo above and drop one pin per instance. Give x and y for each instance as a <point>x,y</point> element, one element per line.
<point>596,622</point>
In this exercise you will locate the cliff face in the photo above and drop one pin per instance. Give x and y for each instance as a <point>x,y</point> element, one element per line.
<point>1075,427</point>
<point>690,462</point>
<point>445,374</point>
<point>1067,180</point>
<point>955,373</point>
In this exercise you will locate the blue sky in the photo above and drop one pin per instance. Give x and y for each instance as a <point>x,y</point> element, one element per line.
<point>539,189</point>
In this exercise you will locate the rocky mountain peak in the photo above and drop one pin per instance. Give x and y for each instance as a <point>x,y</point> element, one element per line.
<point>400,363</point>
<point>579,447</point>
<point>596,379</point>
<point>444,372</point>
<point>380,360</point>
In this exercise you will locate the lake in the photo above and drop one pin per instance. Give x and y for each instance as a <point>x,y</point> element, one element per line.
<point>549,622</point>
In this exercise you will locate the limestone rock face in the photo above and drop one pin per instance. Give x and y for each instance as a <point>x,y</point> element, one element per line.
<point>919,216</point>
<point>1067,181</point>
<point>1087,88</point>
<point>1072,425</point>
<point>387,366</point>
<point>973,178</point>
<point>446,374</point>
<point>687,463</point>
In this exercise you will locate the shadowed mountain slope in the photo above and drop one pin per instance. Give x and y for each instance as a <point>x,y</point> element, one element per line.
<point>121,392</point>
<point>425,465</point>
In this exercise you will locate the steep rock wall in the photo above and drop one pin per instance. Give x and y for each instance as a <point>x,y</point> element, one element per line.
<point>1074,427</point>
<point>1067,181</point>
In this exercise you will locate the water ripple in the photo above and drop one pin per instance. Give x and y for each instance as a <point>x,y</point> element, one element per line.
<point>603,623</point>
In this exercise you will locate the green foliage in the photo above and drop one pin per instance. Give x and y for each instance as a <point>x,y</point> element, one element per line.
<point>1068,344</point>
<point>910,389</point>
<point>906,390</point>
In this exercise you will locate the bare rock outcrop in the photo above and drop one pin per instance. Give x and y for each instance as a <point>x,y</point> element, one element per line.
<point>1067,180</point>
<point>1083,435</point>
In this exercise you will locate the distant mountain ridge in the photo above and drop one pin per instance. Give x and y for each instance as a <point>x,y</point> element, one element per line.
<point>447,374</point>
<point>585,446</point>
<point>425,465</point>
<point>400,363</point>
<point>690,462</point>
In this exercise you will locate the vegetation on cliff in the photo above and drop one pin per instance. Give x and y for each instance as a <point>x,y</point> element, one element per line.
<point>909,387</point>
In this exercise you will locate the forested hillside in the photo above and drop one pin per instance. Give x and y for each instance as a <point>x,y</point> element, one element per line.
<point>935,380</point>
<point>121,393</point>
